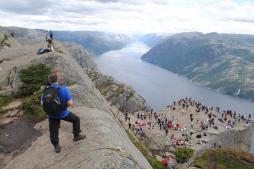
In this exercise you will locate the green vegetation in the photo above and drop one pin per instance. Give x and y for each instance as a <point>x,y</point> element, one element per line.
<point>33,77</point>
<point>183,154</point>
<point>225,159</point>
<point>32,106</point>
<point>156,164</point>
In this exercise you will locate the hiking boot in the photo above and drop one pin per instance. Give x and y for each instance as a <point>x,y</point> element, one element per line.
<point>79,137</point>
<point>57,148</point>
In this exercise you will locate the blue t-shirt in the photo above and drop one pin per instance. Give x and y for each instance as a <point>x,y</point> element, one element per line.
<point>64,96</point>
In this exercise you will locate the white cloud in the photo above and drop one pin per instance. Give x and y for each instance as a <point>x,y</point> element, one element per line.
<point>232,16</point>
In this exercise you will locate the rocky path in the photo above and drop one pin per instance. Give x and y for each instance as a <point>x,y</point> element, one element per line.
<point>16,132</point>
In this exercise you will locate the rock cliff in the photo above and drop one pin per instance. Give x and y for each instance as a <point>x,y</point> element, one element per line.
<point>107,145</point>
<point>118,94</point>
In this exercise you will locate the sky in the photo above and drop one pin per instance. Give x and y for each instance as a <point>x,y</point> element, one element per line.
<point>131,16</point>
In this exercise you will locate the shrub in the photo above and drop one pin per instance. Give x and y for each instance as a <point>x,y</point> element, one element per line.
<point>31,106</point>
<point>226,159</point>
<point>33,77</point>
<point>183,154</point>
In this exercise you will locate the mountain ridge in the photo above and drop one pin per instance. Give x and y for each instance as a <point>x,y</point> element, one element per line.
<point>95,42</point>
<point>224,62</point>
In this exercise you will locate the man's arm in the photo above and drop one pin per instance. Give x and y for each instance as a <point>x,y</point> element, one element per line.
<point>68,98</point>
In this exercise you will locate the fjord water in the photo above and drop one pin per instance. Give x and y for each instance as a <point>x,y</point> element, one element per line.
<point>161,87</point>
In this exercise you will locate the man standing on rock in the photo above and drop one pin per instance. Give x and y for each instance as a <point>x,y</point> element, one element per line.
<point>55,100</point>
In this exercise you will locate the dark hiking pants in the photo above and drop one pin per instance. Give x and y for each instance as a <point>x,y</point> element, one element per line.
<point>54,125</point>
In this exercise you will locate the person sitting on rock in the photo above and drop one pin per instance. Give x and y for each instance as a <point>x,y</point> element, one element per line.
<point>50,45</point>
<point>65,98</point>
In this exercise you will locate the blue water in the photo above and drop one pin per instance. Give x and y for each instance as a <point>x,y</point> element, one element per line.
<point>161,87</point>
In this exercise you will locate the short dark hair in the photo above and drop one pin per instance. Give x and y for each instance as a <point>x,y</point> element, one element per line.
<point>53,78</point>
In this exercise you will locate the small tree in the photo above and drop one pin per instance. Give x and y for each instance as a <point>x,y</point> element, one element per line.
<point>183,154</point>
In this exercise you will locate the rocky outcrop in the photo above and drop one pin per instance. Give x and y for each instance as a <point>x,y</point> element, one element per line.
<point>238,138</point>
<point>6,40</point>
<point>119,95</point>
<point>27,36</point>
<point>80,54</point>
<point>107,145</point>
<point>73,76</point>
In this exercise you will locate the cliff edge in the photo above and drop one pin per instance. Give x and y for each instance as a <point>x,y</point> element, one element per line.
<point>106,146</point>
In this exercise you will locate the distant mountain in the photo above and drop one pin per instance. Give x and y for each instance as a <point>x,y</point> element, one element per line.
<point>95,42</point>
<point>221,61</point>
<point>153,39</point>
<point>27,36</point>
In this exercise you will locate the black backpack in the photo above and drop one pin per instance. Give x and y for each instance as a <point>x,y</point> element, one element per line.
<point>51,101</point>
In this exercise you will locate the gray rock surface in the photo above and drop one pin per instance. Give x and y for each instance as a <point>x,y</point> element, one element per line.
<point>81,55</point>
<point>118,94</point>
<point>106,147</point>
<point>6,40</point>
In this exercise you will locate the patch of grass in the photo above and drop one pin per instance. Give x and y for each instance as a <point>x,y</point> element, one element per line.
<point>156,164</point>
<point>226,159</point>
<point>33,77</point>
<point>183,154</point>
<point>4,100</point>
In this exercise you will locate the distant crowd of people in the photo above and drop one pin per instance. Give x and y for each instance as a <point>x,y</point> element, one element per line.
<point>215,118</point>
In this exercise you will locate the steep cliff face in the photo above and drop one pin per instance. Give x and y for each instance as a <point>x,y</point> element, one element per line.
<point>6,40</point>
<point>107,145</point>
<point>119,95</point>
<point>236,138</point>
<point>80,54</point>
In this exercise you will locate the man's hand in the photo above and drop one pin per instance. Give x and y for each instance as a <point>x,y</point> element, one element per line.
<point>70,103</point>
